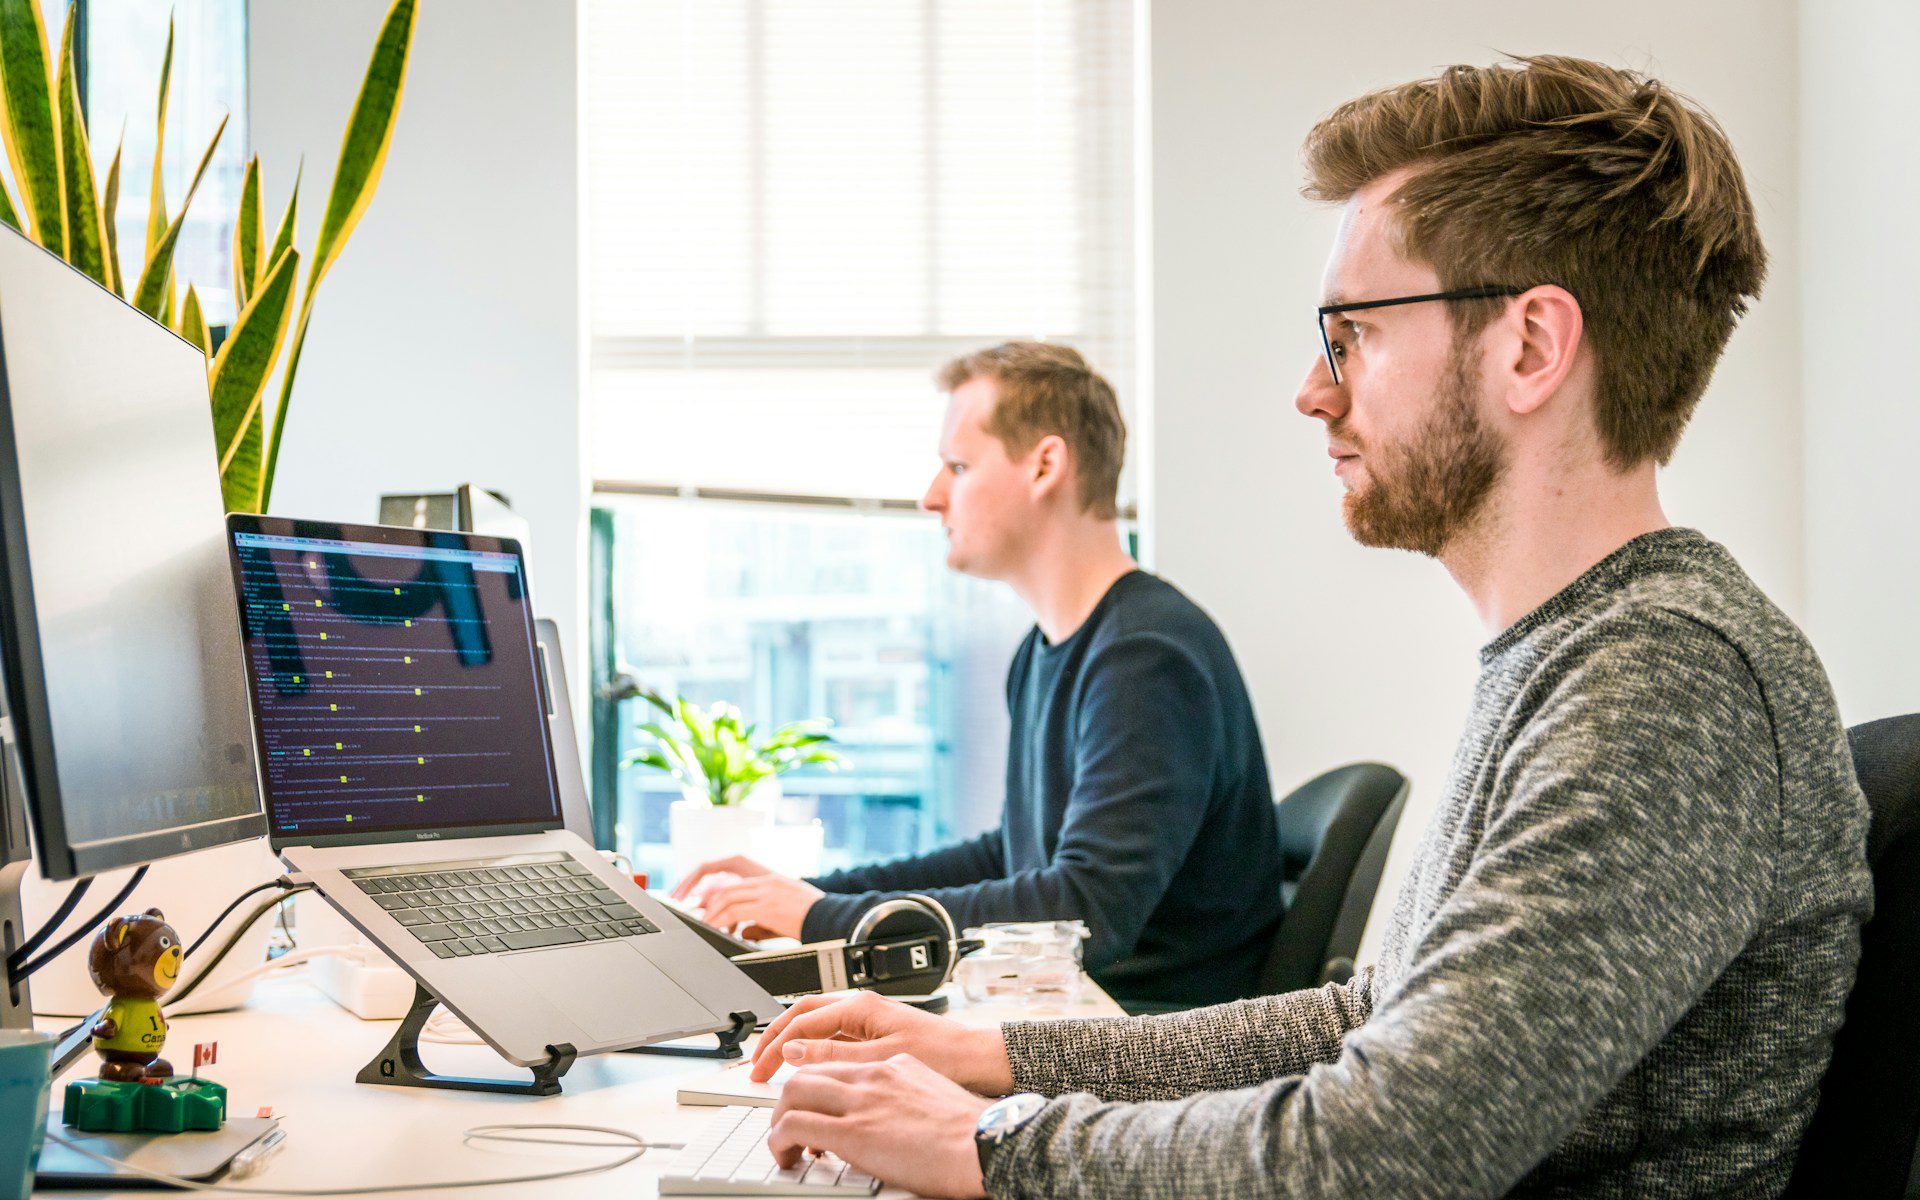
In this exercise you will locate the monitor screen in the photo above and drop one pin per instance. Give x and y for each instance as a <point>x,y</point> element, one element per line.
<point>392,673</point>
<point>122,655</point>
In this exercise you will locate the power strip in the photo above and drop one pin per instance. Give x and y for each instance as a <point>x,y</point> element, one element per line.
<point>372,993</point>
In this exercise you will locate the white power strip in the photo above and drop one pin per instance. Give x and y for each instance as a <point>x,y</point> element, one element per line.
<point>372,993</point>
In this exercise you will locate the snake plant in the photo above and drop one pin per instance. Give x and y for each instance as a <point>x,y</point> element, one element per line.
<point>65,209</point>
<point>713,750</point>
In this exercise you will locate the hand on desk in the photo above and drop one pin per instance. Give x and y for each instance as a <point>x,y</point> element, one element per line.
<point>740,892</point>
<point>865,1027</point>
<point>898,1120</point>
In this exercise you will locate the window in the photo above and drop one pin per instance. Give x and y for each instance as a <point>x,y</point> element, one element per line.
<point>125,42</point>
<point>794,214</point>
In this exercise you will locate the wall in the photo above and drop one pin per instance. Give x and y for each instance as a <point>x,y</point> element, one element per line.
<point>1355,653</point>
<point>444,346</point>
<point>1861,256</point>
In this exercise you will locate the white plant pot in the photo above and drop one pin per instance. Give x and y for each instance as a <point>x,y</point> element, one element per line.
<point>699,831</point>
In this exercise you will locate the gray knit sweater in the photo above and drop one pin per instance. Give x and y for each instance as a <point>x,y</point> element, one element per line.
<point>1615,969</point>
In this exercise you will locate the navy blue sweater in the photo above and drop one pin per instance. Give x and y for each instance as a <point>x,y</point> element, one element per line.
<point>1137,801</point>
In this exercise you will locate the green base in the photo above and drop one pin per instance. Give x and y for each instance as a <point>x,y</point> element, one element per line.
<point>172,1106</point>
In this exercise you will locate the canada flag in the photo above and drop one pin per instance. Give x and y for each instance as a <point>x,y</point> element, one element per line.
<point>204,1054</point>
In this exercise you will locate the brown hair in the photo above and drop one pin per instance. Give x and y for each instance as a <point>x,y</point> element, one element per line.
<point>1559,170</point>
<point>1046,388</point>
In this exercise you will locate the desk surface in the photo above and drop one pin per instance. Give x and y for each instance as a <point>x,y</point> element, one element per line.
<point>296,1052</point>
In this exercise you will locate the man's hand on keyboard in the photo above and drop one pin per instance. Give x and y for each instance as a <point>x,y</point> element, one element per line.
<point>773,905</point>
<point>863,1027</point>
<point>898,1120</point>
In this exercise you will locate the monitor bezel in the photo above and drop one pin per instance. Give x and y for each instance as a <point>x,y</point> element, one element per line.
<point>390,535</point>
<point>24,668</point>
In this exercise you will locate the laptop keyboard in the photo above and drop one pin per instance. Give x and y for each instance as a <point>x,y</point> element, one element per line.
<point>729,1157</point>
<point>465,908</point>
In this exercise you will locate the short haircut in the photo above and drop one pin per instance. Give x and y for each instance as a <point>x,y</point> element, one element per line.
<point>1559,170</point>
<point>1046,388</point>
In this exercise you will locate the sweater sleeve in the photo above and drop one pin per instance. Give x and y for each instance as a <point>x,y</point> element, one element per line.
<point>852,892</point>
<point>1145,759</point>
<point>1201,1050</point>
<point>1628,858</point>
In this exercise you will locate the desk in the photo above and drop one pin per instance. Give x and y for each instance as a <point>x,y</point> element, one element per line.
<point>295,1051</point>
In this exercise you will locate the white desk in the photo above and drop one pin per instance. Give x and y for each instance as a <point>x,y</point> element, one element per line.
<point>295,1051</point>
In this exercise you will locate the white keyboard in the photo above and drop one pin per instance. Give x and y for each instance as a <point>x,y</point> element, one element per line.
<point>729,1157</point>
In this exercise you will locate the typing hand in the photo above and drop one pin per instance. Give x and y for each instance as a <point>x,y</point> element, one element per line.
<point>739,865</point>
<point>898,1120</point>
<point>863,1027</point>
<point>771,905</point>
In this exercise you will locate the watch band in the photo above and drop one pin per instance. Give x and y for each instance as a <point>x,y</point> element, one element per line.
<point>1001,1120</point>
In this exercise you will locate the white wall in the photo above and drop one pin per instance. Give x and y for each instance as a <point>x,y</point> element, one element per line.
<point>1860,169</point>
<point>1355,653</point>
<point>444,343</point>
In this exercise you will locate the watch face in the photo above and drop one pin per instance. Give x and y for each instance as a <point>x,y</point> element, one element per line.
<point>1002,1117</point>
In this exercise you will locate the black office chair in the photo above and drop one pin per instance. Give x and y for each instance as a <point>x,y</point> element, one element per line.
<point>1335,830</point>
<point>1862,1139</point>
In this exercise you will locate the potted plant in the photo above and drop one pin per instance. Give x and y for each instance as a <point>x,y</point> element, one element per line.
<point>61,208</point>
<point>729,778</point>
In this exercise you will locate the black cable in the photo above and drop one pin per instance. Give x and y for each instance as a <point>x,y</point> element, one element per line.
<point>233,940</point>
<point>26,948</point>
<point>16,974</point>
<point>228,911</point>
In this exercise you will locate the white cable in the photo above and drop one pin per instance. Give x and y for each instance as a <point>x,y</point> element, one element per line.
<point>448,1029</point>
<point>498,1133</point>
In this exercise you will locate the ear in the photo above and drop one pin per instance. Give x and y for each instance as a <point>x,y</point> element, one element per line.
<point>1544,326</point>
<point>1048,460</point>
<point>115,934</point>
<point>155,914</point>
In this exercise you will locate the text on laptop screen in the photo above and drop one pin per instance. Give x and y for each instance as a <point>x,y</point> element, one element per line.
<point>394,685</point>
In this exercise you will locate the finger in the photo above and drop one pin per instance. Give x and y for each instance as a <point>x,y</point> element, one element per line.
<point>794,1131</point>
<point>812,1017</point>
<point>818,1091</point>
<point>731,907</point>
<point>804,1004</point>
<point>829,1051</point>
<point>735,864</point>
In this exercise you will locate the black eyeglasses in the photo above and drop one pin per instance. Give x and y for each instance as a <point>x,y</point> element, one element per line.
<point>1488,291</point>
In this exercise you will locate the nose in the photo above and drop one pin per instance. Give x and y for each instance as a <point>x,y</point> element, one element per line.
<point>1319,396</point>
<point>935,499</point>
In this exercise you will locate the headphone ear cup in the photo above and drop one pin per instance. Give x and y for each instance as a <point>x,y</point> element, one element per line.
<point>912,916</point>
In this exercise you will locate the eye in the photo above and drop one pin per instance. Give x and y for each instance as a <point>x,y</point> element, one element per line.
<point>165,942</point>
<point>954,468</point>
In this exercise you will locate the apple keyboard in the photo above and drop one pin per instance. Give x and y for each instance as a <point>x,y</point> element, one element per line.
<point>729,1157</point>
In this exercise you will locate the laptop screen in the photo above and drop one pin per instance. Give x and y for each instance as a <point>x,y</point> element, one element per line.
<point>393,683</point>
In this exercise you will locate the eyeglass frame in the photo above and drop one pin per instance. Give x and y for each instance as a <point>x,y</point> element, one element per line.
<point>1486,291</point>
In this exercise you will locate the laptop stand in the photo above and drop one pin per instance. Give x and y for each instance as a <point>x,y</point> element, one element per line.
<point>398,1063</point>
<point>729,1047</point>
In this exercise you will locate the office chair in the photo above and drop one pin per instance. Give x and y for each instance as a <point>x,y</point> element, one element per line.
<point>1334,833</point>
<point>1862,1139</point>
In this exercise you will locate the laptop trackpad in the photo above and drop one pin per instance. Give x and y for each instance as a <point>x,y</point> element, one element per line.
<point>610,990</point>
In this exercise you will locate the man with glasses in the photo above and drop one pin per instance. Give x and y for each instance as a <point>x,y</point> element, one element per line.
<point>1616,967</point>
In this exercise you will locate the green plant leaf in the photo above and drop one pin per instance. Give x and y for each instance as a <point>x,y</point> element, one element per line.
<point>654,698</point>
<point>86,236</point>
<point>363,154</point>
<point>157,199</point>
<point>29,129</point>
<point>7,213</point>
<point>193,323</point>
<point>283,240</point>
<point>647,758</point>
<point>239,378</point>
<point>247,236</point>
<point>109,206</point>
<point>155,290</point>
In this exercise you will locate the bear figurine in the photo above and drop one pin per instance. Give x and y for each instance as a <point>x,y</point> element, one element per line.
<point>134,961</point>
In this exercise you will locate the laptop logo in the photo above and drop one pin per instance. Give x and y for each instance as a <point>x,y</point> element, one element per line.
<point>427,835</point>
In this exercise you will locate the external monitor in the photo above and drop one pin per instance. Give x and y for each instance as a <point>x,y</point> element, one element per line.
<point>125,687</point>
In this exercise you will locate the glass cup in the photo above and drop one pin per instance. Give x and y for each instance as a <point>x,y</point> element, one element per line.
<point>1025,960</point>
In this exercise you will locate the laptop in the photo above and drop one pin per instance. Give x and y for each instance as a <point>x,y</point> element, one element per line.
<point>402,729</point>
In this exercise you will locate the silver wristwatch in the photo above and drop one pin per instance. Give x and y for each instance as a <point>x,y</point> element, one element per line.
<point>1002,1119</point>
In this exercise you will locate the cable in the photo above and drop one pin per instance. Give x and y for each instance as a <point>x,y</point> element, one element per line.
<point>25,950</point>
<point>16,974</point>
<point>233,939</point>
<point>496,1133</point>
<point>283,883</point>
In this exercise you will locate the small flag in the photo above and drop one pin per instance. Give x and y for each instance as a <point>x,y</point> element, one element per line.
<point>204,1054</point>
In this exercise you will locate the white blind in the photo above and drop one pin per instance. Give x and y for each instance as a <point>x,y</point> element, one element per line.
<point>796,211</point>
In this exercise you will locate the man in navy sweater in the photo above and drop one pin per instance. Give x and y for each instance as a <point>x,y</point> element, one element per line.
<point>1137,797</point>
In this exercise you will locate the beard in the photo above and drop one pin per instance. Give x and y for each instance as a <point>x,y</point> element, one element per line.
<point>1422,492</point>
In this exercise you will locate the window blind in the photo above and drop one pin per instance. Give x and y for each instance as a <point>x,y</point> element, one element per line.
<point>796,211</point>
